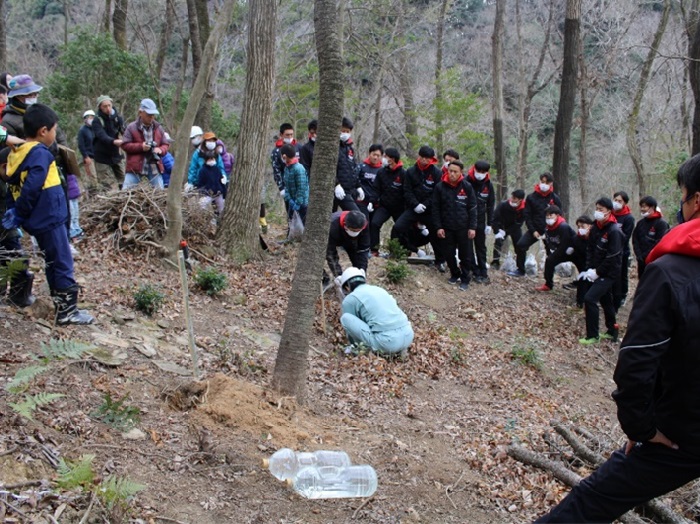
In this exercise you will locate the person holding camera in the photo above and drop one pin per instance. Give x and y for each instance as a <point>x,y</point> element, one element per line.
<point>144,143</point>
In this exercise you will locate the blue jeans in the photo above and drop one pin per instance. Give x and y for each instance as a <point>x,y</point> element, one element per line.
<point>75,230</point>
<point>387,342</point>
<point>133,180</point>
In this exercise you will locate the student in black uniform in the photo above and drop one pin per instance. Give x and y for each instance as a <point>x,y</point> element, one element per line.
<point>389,201</point>
<point>480,181</point>
<point>649,230</point>
<point>559,243</point>
<point>583,231</point>
<point>625,221</point>
<point>369,168</point>
<point>508,221</point>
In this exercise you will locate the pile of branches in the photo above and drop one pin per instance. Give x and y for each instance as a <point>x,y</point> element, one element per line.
<point>590,451</point>
<point>137,219</point>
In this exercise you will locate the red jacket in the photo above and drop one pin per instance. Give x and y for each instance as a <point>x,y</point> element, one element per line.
<point>133,145</point>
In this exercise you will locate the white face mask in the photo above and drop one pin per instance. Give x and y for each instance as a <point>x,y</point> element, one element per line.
<point>211,162</point>
<point>196,140</point>
<point>544,187</point>
<point>599,215</point>
<point>352,233</point>
<point>211,146</point>
<point>617,206</point>
<point>385,162</point>
<point>646,214</point>
<point>550,221</point>
<point>30,101</point>
<point>287,140</point>
<point>513,204</point>
<point>480,176</point>
<point>344,137</point>
<point>89,121</point>
<point>313,138</point>
<point>582,231</point>
<point>446,165</point>
<point>112,111</point>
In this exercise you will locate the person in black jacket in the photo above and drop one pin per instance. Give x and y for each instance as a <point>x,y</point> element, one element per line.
<point>85,139</point>
<point>421,180</point>
<point>508,221</point>
<point>584,223</point>
<point>648,232</point>
<point>478,177</point>
<point>389,201</point>
<point>107,127</point>
<point>603,259</point>
<point>347,181</point>
<point>536,202</point>
<point>349,231</point>
<point>368,170</point>
<point>454,213</point>
<point>657,377</point>
<point>559,244</point>
<point>625,221</point>
<point>306,153</point>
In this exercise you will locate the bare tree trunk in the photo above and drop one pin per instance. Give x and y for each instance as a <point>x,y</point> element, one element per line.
<point>378,107</point>
<point>203,118</point>
<point>107,16</point>
<point>3,36</point>
<point>499,149</point>
<point>409,106</point>
<point>195,42</point>
<point>175,106</point>
<point>173,235</point>
<point>119,23</point>
<point>439,91</point>
<point>291,366</point>
<point>633,145</point>
<point>584,186</point>
<point>165,34</point>
<point>693,25</point>
<point>238,233</point>
<point>567,98</point>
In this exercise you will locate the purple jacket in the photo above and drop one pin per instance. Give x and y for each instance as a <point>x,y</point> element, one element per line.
<point>226,158</point>
<point>73,187</point>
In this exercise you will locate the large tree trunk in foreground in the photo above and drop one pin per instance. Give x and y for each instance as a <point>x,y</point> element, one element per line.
<point>692,20</point>
<point>195,41</point>
<point>567,98</point>
<point>291,366</point>
<point>119,23</point>
<point>238,233</point>
<point>499,147</point>
<point>3,36</point>
<point>173,236</point>
<point>203,118</point>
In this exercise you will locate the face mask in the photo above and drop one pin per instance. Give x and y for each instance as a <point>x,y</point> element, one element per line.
<point>513,204</point>
<point>196,140</point>
<point>544,187</point>
<point>617,206</point>
<point>113,111</point>
<point>646,214</point>
<point>599,215</point>
<point>550,221</point>
<point>385,162</point>
<point>445,165</point>
<point>582,231</point>
<point>211,162</point>
<point>30,101</point>
<point>287,140</point>
<point>352,233</point>
<point>480,176</point>
<point>344,137</point>
<point>211,146</point>
<point>89,121</point>
<point>312,138</point>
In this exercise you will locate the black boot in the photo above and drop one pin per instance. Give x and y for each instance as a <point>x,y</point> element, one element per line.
<point>67,308</point>
<point>21,290</point>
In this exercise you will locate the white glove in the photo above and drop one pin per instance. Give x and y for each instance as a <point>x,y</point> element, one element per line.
<point>224,180</point>
<point>339,192</point>
<point>188,187</point>
<point>420,208</point>
<point>488,230</point>
<point>360,194</point>
<point>423,230</point>
<point>370,207</point>
<point>582,275</point>
<point>282,193</point>
<point>569,250</point>
<point>501,235</point>
<point>592,275</point>
<point>338,280</point>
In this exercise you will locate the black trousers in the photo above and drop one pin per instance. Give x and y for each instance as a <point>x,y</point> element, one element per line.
<point>479,242</point>
<point>379,218</point>
<point>515,232</point>
<point>405,224</point>
<point>553,261</point>
<point>622,285</point>
<point>346,204</point>
<point>625,481</point>
<point>521,249</point>
<point>458,241</point>
<point>600,291</point>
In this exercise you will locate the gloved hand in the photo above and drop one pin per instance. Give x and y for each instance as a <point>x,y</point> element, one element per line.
<point>370,207</point>
<point>420,208</point>
<point>339,192</point>
<point>423,230</point>
<point>569,250</point>
<point>10,220</point>
<point>337,280</point>
<point>360,194</point>
<point>501,235</point>
<point>188,187</point>
<point>224,180</point>
<point>582,275</point>
<point>488,230</point>
<point>592,275</point>
<point>282,193</point>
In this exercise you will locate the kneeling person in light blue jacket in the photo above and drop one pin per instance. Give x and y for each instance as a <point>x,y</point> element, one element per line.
<point>372,316</point>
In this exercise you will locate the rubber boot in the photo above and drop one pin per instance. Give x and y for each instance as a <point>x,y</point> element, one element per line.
<point>21,290</point>
<point>67,308</point>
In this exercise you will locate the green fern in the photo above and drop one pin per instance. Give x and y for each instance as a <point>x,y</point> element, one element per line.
<point>11,270</point>
<point>58,349</point>
<point>118,490</point>
<point>22,378</point>
<point>72,475</point>
<point>31,402</point>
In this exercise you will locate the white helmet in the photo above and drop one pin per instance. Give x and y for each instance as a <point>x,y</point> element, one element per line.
<point>196,130</point>
<point>88,113</point>
<point>352,273</point>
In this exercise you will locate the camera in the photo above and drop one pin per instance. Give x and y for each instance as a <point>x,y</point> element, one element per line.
<point>155,156</point>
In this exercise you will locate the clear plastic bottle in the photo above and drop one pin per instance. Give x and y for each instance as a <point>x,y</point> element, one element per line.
<point>334,483</point>
<point>286,463</point>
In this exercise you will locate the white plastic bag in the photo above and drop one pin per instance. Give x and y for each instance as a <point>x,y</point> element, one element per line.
<point>564,270</point>
<point>530,265</point>
<point>296,227</point>
<point>509,263</point>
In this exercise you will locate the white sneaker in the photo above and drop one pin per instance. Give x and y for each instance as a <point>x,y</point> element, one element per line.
<point>420,253</point>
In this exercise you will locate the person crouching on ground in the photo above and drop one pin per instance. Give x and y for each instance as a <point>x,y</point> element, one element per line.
<point>38,205</point>
<point>559,242</point>
<point>372,317</point>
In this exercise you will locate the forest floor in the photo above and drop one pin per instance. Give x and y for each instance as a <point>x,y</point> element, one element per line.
<point>488,367</point>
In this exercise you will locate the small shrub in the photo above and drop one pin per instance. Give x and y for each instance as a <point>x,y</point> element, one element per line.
<point>118,491</point>
<point>116,414</point>
<point>527,355</point>
<point>148,299</point>
<point>211,281</point>
<point>395,250</point>
<point>72,475</point>
<point>397,272</point>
